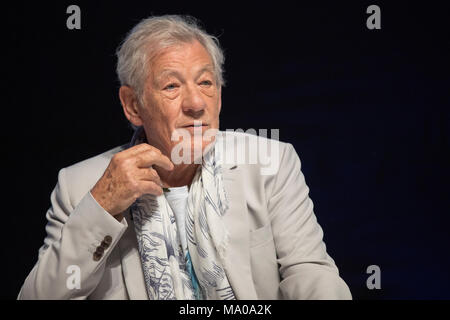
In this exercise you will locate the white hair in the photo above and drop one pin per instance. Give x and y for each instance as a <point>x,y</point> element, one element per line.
<point>153,34</point>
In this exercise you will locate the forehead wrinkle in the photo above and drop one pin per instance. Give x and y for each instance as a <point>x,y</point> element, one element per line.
<point>168,69</point>
<point>206,68</point>
<point>166,73</point>
<point>172,62</point>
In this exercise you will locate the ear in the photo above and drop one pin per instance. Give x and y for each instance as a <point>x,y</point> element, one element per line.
<point>130,104</point>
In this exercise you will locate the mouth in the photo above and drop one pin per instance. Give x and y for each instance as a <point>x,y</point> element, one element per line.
<point>196,128</point>
<point>196,125</point>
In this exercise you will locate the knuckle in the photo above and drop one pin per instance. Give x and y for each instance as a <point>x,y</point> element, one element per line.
<point>128,177</point>
<point>139,146</point>
<point>116,158</point>
<point>145,147</point>
<point>155,152</point>
<point>137,159</point>
<point>120,160</point>
<point>134,185</point>
<point>126,162</point>
<point>136,194</point>
<point>157,189</point>
<point>152,172</point>
<point>153,188</point>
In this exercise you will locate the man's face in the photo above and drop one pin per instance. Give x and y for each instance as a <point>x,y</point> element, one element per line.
<point>180,89</point>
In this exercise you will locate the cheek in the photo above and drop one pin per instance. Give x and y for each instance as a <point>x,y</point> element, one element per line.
<point>162,110</point>
<point>213,103</point>
<point>217,107</point>
<point>168,115</point>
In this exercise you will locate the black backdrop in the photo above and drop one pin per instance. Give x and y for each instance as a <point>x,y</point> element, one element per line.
<point>366,110</point>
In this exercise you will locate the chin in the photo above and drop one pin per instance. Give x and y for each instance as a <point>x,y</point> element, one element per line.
<point>197,152</point>
<point>190,150</point>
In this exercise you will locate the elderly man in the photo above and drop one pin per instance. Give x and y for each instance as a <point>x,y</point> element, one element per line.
<point>137,223</point>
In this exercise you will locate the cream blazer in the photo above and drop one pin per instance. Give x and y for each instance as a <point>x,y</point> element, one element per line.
<point>275,249</point>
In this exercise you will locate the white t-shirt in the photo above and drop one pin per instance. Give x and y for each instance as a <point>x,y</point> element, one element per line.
<point>177,199</point>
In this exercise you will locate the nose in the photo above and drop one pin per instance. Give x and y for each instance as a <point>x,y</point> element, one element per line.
<point>193,103</point>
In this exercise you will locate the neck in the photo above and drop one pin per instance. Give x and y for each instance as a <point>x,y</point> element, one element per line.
<point>181,175</point>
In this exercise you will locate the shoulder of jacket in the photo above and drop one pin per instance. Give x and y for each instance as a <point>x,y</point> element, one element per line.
<point>80,177</point>
<point>96,162</point>
<point>258,156</point>
<point>248,136</point>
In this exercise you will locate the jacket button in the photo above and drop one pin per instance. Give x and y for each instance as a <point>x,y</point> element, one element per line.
<point>97,256</point>
<point>107,240</point>
<point>104,245</point>
<point>100,250</point>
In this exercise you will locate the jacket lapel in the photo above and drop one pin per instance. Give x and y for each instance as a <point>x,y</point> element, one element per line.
<point>237,261</point>
<point>131,263</point>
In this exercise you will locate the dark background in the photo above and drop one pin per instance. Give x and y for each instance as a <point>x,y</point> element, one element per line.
<point>366,110</point>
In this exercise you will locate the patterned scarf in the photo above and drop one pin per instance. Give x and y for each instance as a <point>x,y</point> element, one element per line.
<point>168,273</point>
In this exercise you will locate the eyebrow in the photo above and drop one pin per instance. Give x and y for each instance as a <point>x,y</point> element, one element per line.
<point>167,73</point>
<point>170,72</point>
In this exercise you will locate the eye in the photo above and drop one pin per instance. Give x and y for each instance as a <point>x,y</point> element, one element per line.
<point>206,83</point>
<point>170,87</point>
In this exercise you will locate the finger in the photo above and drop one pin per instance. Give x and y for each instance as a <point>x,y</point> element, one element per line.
<point>134,150</point>
<point>164,162</point>
<point>149,174</point>
<point>153,157</point>
<point>150,187</point>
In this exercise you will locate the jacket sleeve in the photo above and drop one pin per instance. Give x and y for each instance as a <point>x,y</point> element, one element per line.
<point>67,255</point>
<point>307,271</point>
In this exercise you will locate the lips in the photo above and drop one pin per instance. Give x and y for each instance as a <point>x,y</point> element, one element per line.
<point>195,125</point>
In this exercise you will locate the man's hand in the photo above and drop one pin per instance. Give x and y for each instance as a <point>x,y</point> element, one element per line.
<point>129,176</point>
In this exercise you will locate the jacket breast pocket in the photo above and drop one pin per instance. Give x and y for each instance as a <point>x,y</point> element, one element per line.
<point>261,236</point>
<point>263,258</point>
